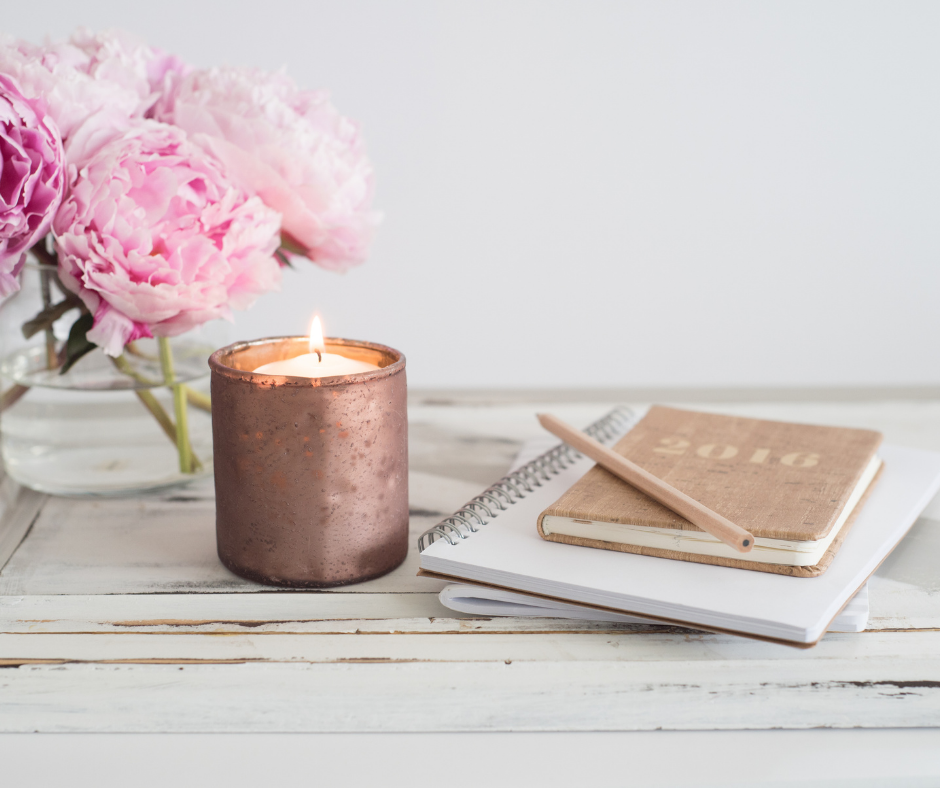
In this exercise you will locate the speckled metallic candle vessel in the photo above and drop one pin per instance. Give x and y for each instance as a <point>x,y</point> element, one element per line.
<point>311,474</point>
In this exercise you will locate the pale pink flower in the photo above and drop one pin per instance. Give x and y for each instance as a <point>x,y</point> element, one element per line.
<point>94,85</point>
<point>156,239</point>
<point>32,178</point>
<point>291,147</point>
<point>121,58</point>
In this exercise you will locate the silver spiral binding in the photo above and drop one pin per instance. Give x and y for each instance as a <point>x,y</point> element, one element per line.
<point>513,486</point>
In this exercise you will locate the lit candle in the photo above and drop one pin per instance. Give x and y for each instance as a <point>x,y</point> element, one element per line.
<point>311,474</point>
<point>317,363</point>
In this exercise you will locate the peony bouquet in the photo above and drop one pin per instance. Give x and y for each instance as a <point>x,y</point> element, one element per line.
<point>160,196</point>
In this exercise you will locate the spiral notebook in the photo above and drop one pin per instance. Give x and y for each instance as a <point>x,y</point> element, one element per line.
<point>481,600</point>
<point>492,541</point>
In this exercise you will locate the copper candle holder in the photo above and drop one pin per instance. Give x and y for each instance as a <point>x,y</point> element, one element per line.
<point>311,474</point>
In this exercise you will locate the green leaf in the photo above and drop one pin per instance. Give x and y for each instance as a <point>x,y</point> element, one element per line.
<point>78,343</point>
<point>284,259</point>
<point>292,246</point>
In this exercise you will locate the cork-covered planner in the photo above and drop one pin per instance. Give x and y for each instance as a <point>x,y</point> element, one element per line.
<point>795,487</point>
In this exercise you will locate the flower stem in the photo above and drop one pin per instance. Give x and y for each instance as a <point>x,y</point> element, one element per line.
<point>195,398</point>
<point>131,347</point>
<point>45,278</point>
<point>11,396</point>
<point>152,404</point>
<point>122,364</point>
<point>179,407</point>
<point>198,400</point>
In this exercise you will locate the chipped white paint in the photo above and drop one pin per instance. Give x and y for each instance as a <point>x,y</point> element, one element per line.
<point>851,653</point>
<point>159,544</point>
<point>468,696</point>
<point>239,613</point>
<point>137,582</point>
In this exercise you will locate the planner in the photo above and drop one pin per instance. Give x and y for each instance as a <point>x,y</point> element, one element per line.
<point>794,487</point>
<point>493,541</point>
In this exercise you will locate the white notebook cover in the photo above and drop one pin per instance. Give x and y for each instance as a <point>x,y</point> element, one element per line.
<point>486,601</point>
<point>508,552</point>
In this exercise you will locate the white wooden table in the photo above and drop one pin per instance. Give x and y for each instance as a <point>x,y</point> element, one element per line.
<point>116,615</point>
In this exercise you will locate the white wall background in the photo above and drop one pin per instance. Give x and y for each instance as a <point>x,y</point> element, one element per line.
<point>611,193</point>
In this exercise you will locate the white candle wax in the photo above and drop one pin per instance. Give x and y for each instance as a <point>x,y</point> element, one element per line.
<point>309,365</point>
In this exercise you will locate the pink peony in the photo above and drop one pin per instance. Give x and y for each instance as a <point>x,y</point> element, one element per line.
<point>123,59</point>
<point>32,178</point>
<point>94,85</point>
<point>291,147</point>
<point>156,240</point>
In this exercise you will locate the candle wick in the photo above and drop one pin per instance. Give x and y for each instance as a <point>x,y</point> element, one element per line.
<point>319,356</point>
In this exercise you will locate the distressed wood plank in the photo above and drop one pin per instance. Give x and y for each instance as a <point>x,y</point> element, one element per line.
<point>905,591</point>
<point>675,395</point>
<point>535,696</point>
<point>305,612</point>
<point>163,545</point>
<point>285,613</point>
<point>918,651</point>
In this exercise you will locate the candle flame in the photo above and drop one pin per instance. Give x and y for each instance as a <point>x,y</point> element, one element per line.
<point>316,337</point>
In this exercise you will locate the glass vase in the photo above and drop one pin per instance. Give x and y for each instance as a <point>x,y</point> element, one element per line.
<point>105,426</point>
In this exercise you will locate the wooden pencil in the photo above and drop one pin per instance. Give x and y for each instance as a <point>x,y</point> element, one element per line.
<point>676,500</point>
